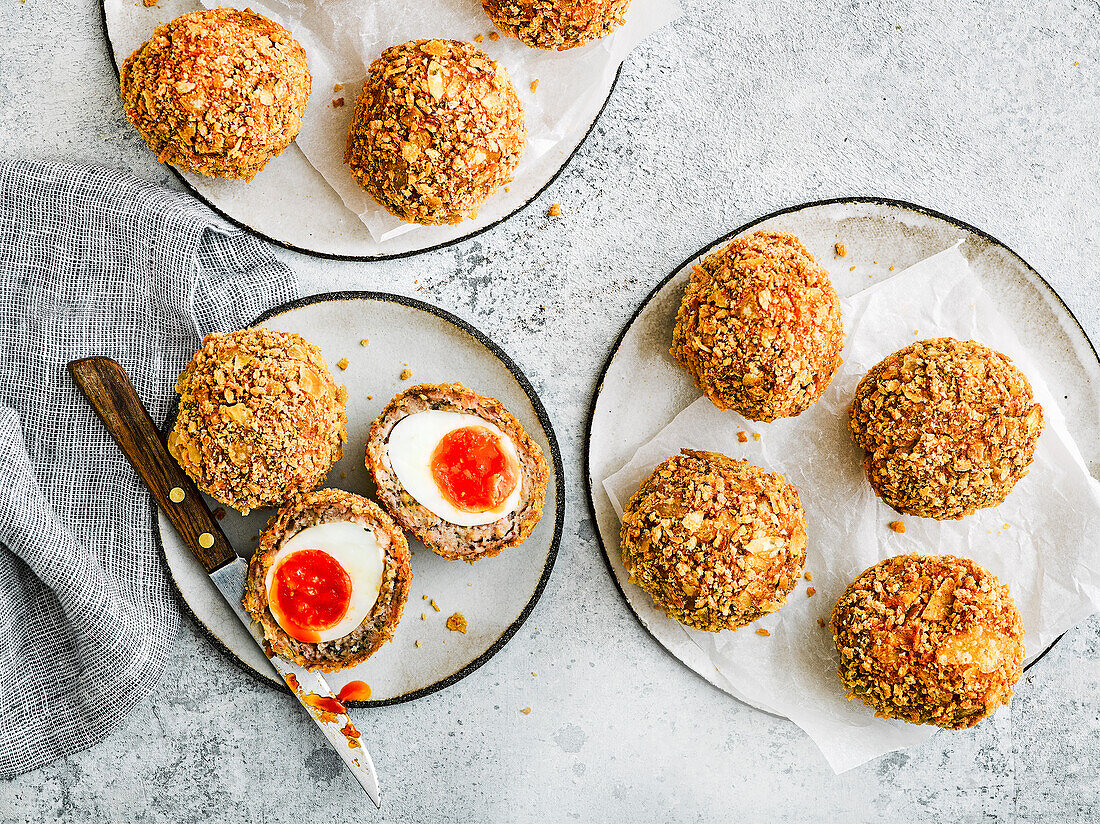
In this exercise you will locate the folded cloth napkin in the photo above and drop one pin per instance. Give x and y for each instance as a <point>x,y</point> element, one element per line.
<point>95,262</point>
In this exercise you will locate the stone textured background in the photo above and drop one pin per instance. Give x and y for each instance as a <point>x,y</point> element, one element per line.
<point>987,111</point>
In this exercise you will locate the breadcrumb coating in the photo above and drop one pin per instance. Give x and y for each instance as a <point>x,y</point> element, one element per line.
<point>260,418</point>
<point>437,129</point>
<point>929,640</point>
<point>556,24</point>
<point>948,427</point>
<point>219,92</point>
<point>716,542</point>
<point>378,626</point>
<point>759,328</point>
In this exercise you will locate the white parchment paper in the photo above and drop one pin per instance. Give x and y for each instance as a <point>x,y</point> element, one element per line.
<point>342,37</point>
<point>1042,541</point>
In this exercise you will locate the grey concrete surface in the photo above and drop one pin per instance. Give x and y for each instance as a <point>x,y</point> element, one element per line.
<point>986,111</point>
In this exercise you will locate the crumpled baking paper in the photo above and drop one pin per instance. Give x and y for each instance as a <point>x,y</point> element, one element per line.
<point>343,37</point>
<point>1041,541</point>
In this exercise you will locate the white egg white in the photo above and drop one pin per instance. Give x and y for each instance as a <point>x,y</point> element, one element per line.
<point>356,548</point>
<point>409,455</point>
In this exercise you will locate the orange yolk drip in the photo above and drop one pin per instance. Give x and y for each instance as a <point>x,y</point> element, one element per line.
<point>354,691</point>
<point>310,592</point>
<point>472,470</point>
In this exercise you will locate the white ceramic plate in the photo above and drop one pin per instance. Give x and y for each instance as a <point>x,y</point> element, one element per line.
<point>879,234</point>
<point>494,594</point>
<point>290,203</point>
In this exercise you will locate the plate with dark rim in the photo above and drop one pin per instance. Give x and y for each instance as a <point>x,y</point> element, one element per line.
<point>291,204</point>
<point>494,594</point>
<point>882,236</point>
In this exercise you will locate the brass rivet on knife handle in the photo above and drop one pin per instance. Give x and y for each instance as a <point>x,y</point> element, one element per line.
<point>112,395</point>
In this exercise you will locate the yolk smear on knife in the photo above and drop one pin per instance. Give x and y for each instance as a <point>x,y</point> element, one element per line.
<point>311,591</point>
<point>354,691</point>
<point>472,470</point>
<point>324,703</point>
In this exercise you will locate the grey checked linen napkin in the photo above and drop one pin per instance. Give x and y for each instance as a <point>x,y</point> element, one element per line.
<point>94,262</point>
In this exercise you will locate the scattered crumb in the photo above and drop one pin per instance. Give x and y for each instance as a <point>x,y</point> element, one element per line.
<point>821,622</point>
<point>435,606</point>
<point>406,373</point>
<point>756,436</point>
<point>526,710</point>
<point>841,249</point>
<point>897,526</point>
<point>852,269</point>
<point>809,576</point>
<point>811,592</point>
<point>534,675</point>
<point>150,3</point>
<point>916,331</point>
<point>742,437</point>
<point>338,102</point>
<point>1077,62</point>
<point>338,87</point>
<point>1006,526</point>
<point>370,397</point>
<point>457,623</point>
<point>343,475</point>
<point>534,85</point>
<point>480,38</point>
<point>891,268</point>
<point>342,363</point>
<point>364,342</point>
<point>423,616</point>
<point>555,210</point>
<point>494,36</point>
<point>219,513</point>
<point>507,189</point>
<point>763,631</point>
<point>418,642</point>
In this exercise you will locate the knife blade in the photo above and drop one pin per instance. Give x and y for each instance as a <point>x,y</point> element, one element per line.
<point>112,395</point>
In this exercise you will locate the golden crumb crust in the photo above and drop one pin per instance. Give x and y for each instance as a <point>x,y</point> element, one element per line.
<point>219,92</point>
<point>467,543</point>
<point>929,640</point>
<point>759,328</point>
<point>716,542</point>
<point>948,427</point>
<point>556,24</point>
<point>437,129</point>
<point>379,625</point>
<point>260,418</point>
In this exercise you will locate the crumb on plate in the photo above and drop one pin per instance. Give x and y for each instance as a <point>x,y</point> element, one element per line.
<point>457,623</point>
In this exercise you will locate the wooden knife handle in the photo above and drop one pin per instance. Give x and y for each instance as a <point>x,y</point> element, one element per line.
<point>112,395</point>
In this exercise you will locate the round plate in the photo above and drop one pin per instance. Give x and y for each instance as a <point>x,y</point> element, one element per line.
<point>494,594</point>
<point>879,234</point>
<point>291,204</point>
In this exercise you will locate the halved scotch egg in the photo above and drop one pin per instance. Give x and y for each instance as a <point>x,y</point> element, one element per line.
<point>457,470</point>
<point>329,580</point>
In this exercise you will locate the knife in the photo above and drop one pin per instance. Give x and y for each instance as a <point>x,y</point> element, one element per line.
<point>112,395</point>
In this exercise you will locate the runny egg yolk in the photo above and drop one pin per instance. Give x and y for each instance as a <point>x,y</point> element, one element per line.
<point>310,592</point>
<point>473,471</point>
